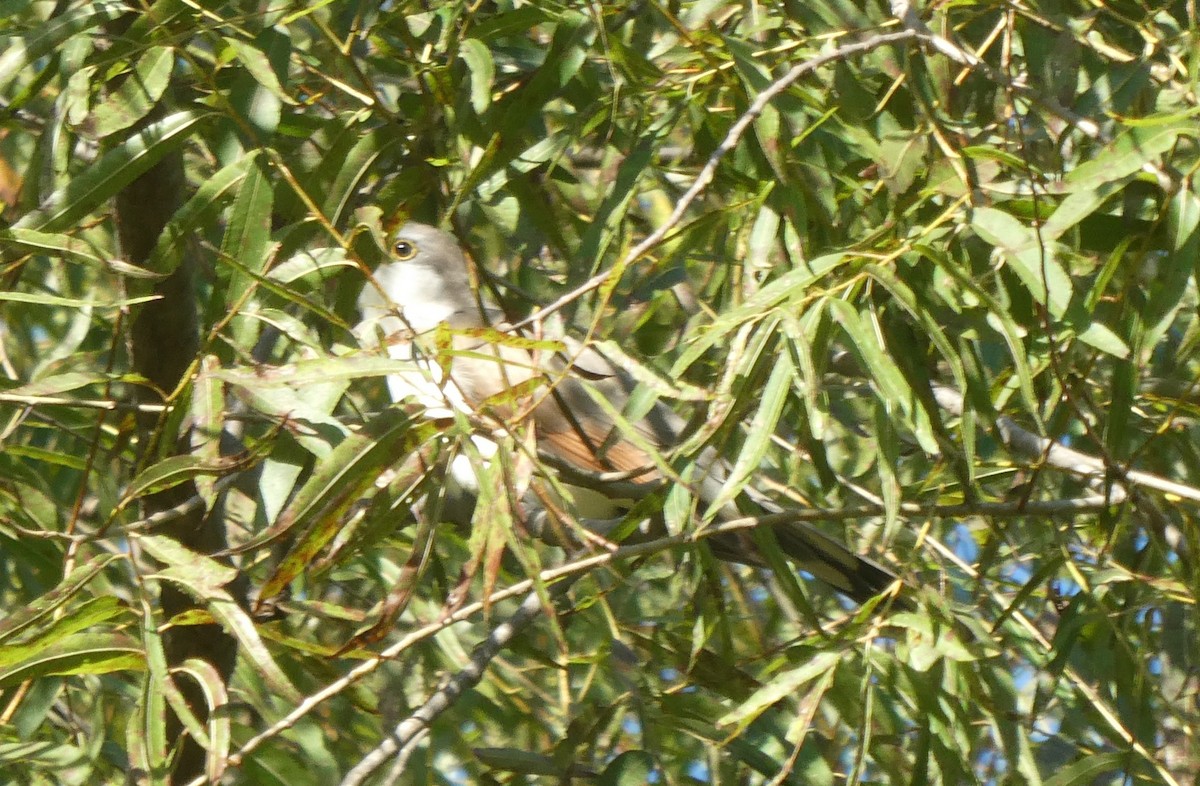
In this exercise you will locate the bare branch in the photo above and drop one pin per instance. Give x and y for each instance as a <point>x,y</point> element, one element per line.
<point>1030,445</point>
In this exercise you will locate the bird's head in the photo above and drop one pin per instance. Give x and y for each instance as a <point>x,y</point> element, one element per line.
<point>425,282</point>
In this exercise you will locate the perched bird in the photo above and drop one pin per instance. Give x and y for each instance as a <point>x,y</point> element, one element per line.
<point>427,283</point>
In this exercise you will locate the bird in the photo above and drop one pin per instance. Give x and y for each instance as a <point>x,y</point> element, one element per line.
<point>425,286</point>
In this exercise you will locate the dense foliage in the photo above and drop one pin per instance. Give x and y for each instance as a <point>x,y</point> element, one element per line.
<point>937,288</point>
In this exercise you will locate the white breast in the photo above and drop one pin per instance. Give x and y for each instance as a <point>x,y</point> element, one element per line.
<point>424,383</point>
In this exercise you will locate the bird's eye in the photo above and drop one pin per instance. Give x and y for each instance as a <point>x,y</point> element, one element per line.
<point>404,250</point>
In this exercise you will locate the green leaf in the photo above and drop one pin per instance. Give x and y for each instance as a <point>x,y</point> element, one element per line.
<point>61,383</point>
<point>20,619</point>
<point>21,52</point>
<point>216,698</point>
<point>350,167</point>
<point>1034,263</point>
<point>38,299</point>
<point>483,72</point>
<point>174,470</point>
<point>256,62</point>
<point>208,413</point>
<point>204,574</point>
<point>630,768</point>
<point>762,427</point>
<point>1104,339</point>
<point>88,190</point>
<point>310,264</point>
<point>248,234</point>
<point>782,686</point>
<point>204,578</point>
<point>1088,769</point>
<point>83,653</point>
<point>199,210</point>
<point>90,612</point>
<point>65,246</point>
<point>1127,154</point>
<point>339,480</point>
<point>137,94</point>
<point>788,290</point>
<point>886,377</point>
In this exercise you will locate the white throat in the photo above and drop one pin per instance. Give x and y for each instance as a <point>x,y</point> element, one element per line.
<point>417,293</point>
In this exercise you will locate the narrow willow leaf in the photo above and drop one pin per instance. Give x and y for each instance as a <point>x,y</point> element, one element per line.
<point>762,237</point>
<point>493,519</point>
<point>200,210</point>
<point>258,65</point>
<point>1089,769</point>
<point>20,619</point>
<point>1104,339</point>
<point>58,383</point>
<point>311,263</point>
<point>304,411</point>
<point>799,333</point>
<point>259,106</point>
<point>341,479</point>
<point>303,373</point>
<point>22,51</point>
<point>204,578</point>
<point>216,698</point>
<point>248,233</point>
<point>88,190</point>
<point>762,428</point>
<point>49,243</point>
<point>138,93</point>
<point>998,317</point>
<point>351,167</point>
<point>91,612</point>
<point>173,470</point>
<point>47,755</point>
<point>782,686</point>
<point>158,690</point>
<point>208,412</point>
<point>145,737</point>
<point>920,312</point>
<point>790,288</point>
<point>888,442</point>
<point>519,761</point>
<point>630,768</point>
<point>83,653</point>
<point>78,463</point>
<point>38,299</point>
<point>699,721</point>
<point>641,372</point>
<point>602,231</point>
<point>1127,154</point>
<point>482,70</point>
<point>204,574</point>
<point>1169,289</point>
<point>1034,263</point>
<point>288,294</point>
<point>1077,206</point>
<point>886,377</point>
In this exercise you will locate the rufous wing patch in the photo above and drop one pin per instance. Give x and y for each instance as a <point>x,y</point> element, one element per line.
<point>587,446</point>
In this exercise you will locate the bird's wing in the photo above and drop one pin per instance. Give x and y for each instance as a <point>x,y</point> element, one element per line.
<point>575,428</point>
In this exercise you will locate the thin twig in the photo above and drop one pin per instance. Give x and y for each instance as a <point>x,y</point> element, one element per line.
<point>82,403</point>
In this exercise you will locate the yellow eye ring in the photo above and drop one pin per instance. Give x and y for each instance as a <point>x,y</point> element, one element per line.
<point>404,250</point>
